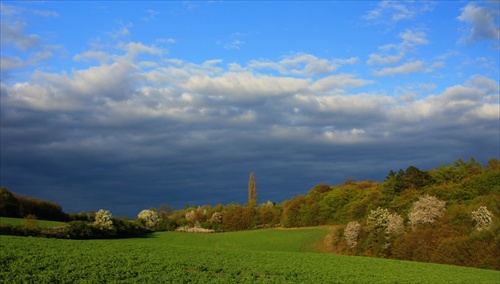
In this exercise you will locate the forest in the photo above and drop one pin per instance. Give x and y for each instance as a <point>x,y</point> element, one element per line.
<point>448,214</point>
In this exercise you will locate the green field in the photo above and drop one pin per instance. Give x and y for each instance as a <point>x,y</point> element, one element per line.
<point>259,256</point>
<point>20,221</point>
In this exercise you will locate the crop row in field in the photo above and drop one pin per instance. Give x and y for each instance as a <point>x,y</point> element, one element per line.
<point>266,256</point>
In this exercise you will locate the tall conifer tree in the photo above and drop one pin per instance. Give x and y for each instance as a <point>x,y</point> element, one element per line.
<point>252,190</point>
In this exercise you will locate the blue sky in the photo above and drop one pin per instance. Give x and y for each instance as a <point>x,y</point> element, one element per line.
<point>127,105</point>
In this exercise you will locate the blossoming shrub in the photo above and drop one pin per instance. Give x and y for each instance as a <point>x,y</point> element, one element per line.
<point>378,219</point>
<point>351,233</point>
<point>382,228</point>
<point>427,209</point>
<point>381,220</point>
<point>103,220</point>
<point>482,218</point>
<point>197,215</point>
<point>395,226</point>
<point>149,217</point>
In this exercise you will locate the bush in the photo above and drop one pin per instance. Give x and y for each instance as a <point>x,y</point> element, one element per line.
<point>126,228</point>
<point>377,220</point>
<point>382,228</point>
<point>351,233</point>
<point>166,225</point>
<point>149,217</point>
<point>30,221</point>
<point>395,225</point>
<point>20,230</point>
<point>482,218</point>
<point>477,250</point>
<point>196,229</point>
<point>78,230</point>
<point>103,220</point>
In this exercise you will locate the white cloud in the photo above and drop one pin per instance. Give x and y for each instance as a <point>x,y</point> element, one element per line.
<point>122,30</point>
<point>410,92</point>
<point>8,10</point>
<point>413,38</point>
<point>337,82</point>
<point>351,105</point>
<point>45,13</point>
<point>410,40</point>
<point>486,112</point>
<point>39,56</point>
<point>244,85</point>
<point>351,136</point>
<point>135,48</point>
<point>482,24</point>
<point>100,56</point>
<point>8,63</point>
<point>235,44</point>
<point>434,66</point>
<point>376,59</point>
<point>457,103</point>
<point>302,64</point>
<point>395,11</point>
<point>83,89</point>
<point>407,68</point>
<point>13,34</point>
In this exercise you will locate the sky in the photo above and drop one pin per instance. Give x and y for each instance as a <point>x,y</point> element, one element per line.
<point>128,105</point>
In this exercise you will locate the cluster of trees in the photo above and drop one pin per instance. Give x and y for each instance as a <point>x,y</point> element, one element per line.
<point>232,217</point>
<point>461,184</point>
<point>447,215</point>
<point>12,205</point>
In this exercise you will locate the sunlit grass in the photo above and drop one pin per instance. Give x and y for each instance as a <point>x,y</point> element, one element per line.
<point>260,256</point>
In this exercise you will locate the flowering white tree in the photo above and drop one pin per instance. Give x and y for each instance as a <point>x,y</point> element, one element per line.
<point>351,233</point>
<point>377,220</point>
<point>198,215</point>
<point>381,219</point>
<point>482,218</point>
<point>103,220</point>
<point>149,217</point>
<point>427,209</point>
<point>216,218</point>
<point>191,216</point>
<point>395,225</point>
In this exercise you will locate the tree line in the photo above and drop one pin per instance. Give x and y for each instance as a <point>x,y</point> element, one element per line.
<point>13,205</point>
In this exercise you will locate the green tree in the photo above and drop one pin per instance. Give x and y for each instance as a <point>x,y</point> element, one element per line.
<point>165,210</point>
<point>291,211</point>
<point>417,179</point>
<point>9,205</point>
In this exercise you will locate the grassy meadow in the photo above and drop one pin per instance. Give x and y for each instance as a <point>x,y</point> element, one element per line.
<point>20,221</point>
<point>257,256</point>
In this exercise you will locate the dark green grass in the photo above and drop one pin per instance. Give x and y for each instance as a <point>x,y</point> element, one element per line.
<point>40,223</point>
<point>261,256</point>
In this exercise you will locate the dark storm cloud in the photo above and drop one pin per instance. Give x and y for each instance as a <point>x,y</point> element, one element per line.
<point>123,137</point>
